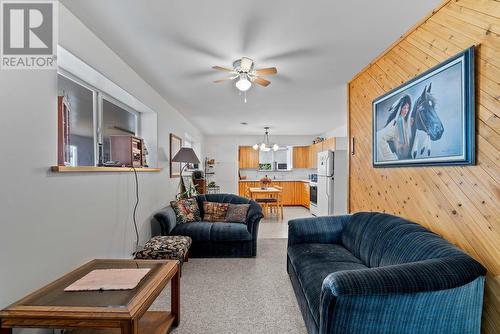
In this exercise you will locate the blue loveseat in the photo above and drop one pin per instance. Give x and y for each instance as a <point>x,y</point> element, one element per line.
<point>216,239</point>
<point>377,273</point>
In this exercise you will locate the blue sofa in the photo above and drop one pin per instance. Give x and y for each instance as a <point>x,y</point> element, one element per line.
<point>377,273</point>
<point>216,239</point>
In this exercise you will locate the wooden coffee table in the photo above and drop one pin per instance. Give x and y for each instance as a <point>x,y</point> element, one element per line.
<point>124,311</point>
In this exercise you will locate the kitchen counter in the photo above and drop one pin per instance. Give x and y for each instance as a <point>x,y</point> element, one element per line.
<point>294,191</point>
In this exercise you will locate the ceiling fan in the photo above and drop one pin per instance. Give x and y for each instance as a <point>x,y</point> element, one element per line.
<point>244,70</point>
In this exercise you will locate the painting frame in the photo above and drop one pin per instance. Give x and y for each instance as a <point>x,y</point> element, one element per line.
<point>175,146</point>
<point>467,156</point>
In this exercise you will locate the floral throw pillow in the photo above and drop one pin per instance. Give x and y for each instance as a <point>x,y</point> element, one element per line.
<point>215,212</point>
<point>186,210</point>
<point>237,213</point>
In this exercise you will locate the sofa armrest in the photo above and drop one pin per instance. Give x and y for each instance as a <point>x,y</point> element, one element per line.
<point>167,219</point>
<point>254,216</point>
<point>421,276</point>
<point>386,298</point>
<point>326,229</point>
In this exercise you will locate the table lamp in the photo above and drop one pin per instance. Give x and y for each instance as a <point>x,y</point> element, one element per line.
<point>187,156</point>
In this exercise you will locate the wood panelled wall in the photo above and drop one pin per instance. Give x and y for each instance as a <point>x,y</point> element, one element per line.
<point>460,203</point>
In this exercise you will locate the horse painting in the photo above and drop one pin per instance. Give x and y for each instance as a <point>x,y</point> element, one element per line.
<point>409,121</point>
<point>411,138</point>
<point>427,125</point>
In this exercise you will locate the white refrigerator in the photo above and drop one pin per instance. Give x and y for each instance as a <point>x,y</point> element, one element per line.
<point>332,183</point>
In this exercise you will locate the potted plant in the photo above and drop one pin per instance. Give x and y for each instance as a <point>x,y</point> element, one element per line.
<point>190,192</point>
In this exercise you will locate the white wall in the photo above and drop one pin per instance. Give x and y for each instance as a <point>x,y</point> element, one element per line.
<point>51,223</point>
<point>339,102</point>
<point>224,149</point>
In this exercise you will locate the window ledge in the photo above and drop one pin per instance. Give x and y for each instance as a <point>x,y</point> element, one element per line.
<point>93,169</point>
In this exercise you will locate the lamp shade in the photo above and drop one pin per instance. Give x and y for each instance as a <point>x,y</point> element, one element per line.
<point>186,154</point>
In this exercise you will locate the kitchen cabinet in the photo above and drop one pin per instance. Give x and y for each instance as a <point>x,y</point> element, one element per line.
<point>248,157</point>
<point>313,154</point>
<point>288,195</point>
<point>314,149</point>
<point>295,193</point>
<point>328,144</point>
<point>244,185</point>
<point>305,195</point>
<point>300,193</point>
<point>301,157</point>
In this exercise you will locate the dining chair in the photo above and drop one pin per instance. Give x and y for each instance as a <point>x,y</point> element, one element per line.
<point>262,201</point>
<point>278,201</point>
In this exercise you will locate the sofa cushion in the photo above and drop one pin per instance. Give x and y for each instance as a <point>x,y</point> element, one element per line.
<point>312,263</point>
<point>319,252</point>
<point>207,231</point>
<point>230,232</point>
<point>198,231</point>
<point>226,198</point>
<point>412,247</point>
<point>380,239</point>
<point>186,210</point>
<point>237,213</point>
<point>214,212</point>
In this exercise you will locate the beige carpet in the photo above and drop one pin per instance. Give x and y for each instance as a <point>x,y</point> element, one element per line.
<point>220,296</point>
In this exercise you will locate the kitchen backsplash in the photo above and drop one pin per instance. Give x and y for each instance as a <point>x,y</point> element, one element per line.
<point>295,174</point>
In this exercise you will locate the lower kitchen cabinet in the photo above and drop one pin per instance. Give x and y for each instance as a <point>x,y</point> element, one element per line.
<point>306,195</point>
<point>295,193</point>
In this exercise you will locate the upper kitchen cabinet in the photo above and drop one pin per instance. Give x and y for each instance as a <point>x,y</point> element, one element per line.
<point>301,157</point>
<point>328,144</point>
<point>313,154</point>
<point>248,157</point>
<point>285,157</point>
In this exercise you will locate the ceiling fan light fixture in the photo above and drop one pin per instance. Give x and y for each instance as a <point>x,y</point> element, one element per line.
<point>255,147</point>
<point>243,84</point>
<point>246,75</point>
<point>246,64</point>
<point>275,147</point>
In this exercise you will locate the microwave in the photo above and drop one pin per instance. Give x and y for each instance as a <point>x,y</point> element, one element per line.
<point>281,166</point>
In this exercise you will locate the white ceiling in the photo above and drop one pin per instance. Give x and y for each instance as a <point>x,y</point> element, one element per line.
<point>316,45</point>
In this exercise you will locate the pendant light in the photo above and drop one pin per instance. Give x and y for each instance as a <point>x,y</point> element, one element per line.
<point>265,145</point>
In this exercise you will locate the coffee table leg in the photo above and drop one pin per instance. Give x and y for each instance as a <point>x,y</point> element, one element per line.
<point>176,297</point>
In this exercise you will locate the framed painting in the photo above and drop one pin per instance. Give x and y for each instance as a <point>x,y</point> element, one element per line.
<point>175,146</point>
<point>429,120</point>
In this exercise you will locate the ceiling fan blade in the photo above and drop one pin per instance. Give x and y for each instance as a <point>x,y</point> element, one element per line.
<point>261,81</point>
<point>225,79</point>
<point>219,68</point>
<point>268,71</point>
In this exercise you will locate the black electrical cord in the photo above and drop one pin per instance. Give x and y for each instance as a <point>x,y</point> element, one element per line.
<point>135,210</point>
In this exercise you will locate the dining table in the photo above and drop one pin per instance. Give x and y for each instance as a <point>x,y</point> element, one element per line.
<point>274,194</point>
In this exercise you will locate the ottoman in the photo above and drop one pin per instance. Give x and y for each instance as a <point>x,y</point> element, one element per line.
<point>169,247</point>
